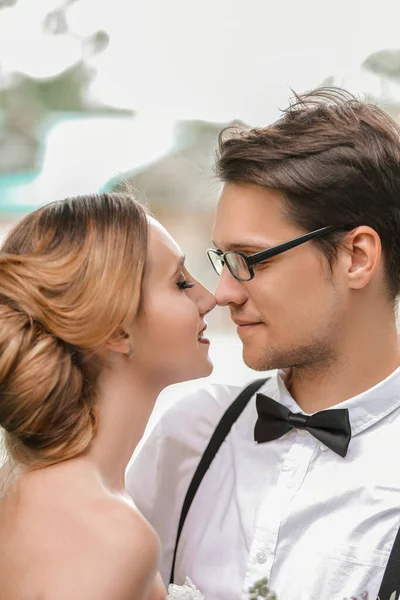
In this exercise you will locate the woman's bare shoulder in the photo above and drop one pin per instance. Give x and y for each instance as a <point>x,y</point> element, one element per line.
<point>66,544</point>
<point>115,556</point>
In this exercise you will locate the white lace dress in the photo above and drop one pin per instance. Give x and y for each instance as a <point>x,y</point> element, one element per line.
<point>187,591</point>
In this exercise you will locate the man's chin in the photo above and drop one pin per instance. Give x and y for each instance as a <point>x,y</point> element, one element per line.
<point>257,362</point>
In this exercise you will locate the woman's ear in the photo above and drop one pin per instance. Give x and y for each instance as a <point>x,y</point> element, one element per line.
<point>121,343</point>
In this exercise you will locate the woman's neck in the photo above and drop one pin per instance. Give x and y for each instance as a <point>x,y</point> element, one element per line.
<point>124,407</point>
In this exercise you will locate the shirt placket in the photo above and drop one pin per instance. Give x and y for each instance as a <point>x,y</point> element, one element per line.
<point>274,506</point>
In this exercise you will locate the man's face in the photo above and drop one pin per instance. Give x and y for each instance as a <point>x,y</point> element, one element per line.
<point>292,313</point>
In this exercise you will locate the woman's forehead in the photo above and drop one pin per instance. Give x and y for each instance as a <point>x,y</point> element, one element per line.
<point>162,248</point>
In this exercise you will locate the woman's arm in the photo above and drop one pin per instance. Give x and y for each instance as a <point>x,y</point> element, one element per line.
<point>158,591</point>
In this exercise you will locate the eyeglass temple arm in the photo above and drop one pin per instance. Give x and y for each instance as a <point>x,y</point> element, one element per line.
<point>265,254</point>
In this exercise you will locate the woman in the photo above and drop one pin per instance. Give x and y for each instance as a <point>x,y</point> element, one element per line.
<point>97,315</point>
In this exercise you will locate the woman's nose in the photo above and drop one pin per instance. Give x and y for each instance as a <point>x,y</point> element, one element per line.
<point>206,302</point>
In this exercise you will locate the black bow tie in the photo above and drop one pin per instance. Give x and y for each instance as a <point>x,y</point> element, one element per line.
<point>331,427</point>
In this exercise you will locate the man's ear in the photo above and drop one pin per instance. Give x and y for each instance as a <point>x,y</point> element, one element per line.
<point>365,251</point>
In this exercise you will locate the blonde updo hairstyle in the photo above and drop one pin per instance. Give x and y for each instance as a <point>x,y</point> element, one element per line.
<point>70,280</point>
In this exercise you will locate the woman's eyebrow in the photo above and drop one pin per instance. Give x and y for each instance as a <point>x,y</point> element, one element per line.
<point>181,262</point>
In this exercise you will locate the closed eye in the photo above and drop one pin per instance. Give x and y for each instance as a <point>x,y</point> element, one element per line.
<point>262,263</point>
<point>185,284</point>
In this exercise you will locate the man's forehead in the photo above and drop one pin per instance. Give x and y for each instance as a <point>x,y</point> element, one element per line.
<point>249,216</point>
<point>237,231</point>
<point>234,235</point>
<point>251,198</point>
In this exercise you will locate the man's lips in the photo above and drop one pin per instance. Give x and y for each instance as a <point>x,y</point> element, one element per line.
<point>242,323</point>
<point>244,327</point>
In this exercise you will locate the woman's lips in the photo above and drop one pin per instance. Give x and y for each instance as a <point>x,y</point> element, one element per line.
<point>201,339</point>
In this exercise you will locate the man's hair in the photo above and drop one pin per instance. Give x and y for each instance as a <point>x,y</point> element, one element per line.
<point>336,161</point>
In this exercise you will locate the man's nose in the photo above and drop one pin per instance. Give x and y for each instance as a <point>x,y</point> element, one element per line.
<point>230,290</point>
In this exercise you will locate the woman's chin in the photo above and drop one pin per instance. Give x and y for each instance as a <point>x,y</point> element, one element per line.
<point>207,370</point>
<point>197,372</point>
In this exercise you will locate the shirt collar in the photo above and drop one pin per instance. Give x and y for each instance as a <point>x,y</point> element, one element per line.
<point>365,409</point>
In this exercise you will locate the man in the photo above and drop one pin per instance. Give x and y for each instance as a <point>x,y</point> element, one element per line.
<point>309,507</point>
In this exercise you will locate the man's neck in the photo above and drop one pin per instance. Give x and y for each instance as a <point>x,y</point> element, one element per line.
<point>357,368</point>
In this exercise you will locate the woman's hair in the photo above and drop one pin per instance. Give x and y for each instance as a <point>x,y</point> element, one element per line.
<point>336,161</point>
<point>70,280</point>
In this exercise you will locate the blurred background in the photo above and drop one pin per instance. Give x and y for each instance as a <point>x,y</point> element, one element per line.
<point>101,94</point>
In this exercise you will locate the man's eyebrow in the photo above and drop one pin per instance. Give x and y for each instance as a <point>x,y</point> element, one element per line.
<point>181,262</point>
<point>245,246</point>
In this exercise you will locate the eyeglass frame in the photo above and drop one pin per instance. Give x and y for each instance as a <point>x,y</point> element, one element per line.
<point>263,255</point>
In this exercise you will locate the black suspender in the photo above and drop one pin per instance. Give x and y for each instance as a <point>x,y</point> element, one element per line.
<point>390,586</point>
<point>223,428</point>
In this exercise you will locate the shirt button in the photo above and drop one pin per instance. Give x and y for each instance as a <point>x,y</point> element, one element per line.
<point>323,448</point>
<point>261,557</point>
<point>289,484</point>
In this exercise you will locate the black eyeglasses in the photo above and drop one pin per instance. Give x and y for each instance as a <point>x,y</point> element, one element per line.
<point>240,265</point>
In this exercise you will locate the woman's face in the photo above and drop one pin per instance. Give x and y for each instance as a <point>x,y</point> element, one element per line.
<point>167,335</point>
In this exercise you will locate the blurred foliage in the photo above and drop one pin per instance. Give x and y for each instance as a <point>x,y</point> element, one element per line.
<point>195,189</point>
<point>24,101</point>
<point>64,92</point>
<point>384,63</point>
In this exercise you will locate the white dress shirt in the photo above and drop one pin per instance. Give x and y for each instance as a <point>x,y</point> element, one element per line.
<point>319,526</point>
